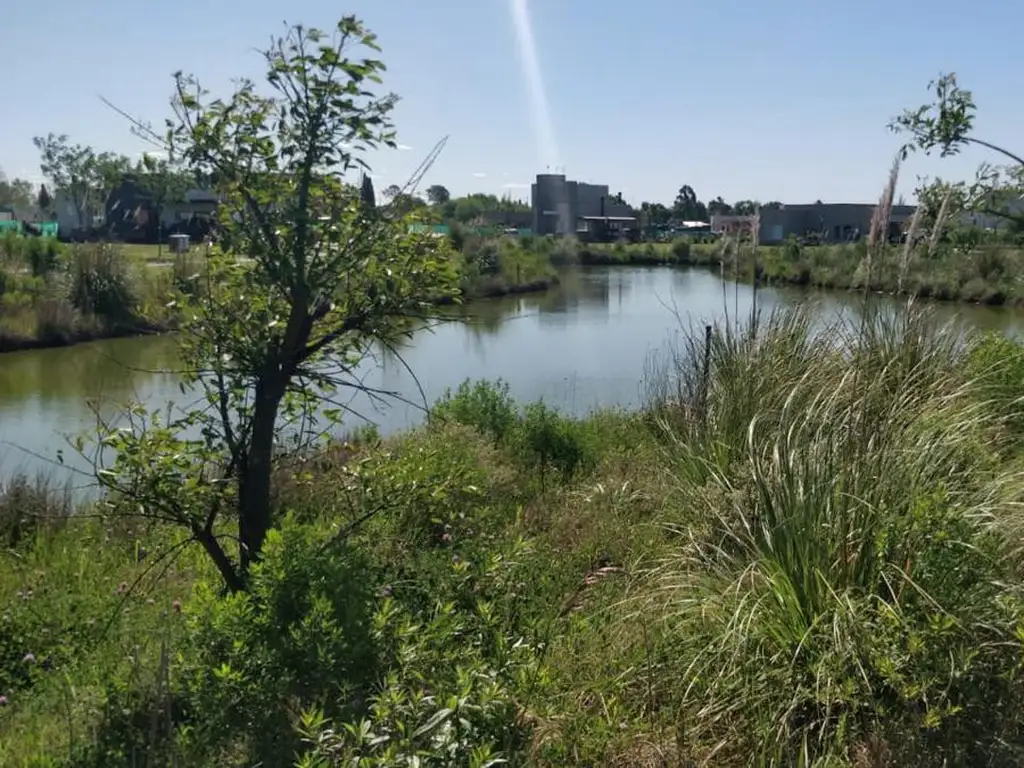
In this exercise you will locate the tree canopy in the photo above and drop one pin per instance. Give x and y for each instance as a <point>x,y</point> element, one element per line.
<point>307,274</point>
<point>946,125</point>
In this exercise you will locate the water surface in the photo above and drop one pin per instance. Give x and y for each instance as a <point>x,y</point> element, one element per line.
<point>584,344</point>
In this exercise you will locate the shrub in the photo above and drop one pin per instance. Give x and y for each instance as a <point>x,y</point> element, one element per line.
<point>564,250</point>
<point>995,366</point>
<point>482,256</point>
<point>428,491</point>
<point>681,250</point>
<point>101,283</point>
<point>549,440</point>
<point>791,249</point>
<point>43,255</point>
<point>448,697</point>
<point>187,274</point>
<point>486,407</point>
<point>27,507</point>
<point>459,235</point>
<point>56,320</point>
<point>299,637</point>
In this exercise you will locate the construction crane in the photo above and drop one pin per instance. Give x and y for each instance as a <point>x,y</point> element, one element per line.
<point>422,168</point>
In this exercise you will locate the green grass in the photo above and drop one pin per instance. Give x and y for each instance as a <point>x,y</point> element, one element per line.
<point>806,553</point>
<point>149,252</point>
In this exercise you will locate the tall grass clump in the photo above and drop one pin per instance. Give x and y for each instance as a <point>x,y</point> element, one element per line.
<point>841,590</point>
<point>29,506</point>
<point>997,364</point>
<point>38,256</point>
<point>188,274</point>
<point>708,388</point>
<point>101,283</point>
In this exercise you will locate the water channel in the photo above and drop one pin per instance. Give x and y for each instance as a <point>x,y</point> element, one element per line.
<point>585,344</point>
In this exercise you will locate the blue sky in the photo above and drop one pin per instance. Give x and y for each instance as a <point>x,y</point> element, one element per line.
<point>786,100</point>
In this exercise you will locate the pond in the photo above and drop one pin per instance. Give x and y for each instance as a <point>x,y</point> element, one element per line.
<point>585,344</point>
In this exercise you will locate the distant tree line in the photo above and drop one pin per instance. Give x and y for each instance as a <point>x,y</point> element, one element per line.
<point>688,207</point>
<point>438,204</point>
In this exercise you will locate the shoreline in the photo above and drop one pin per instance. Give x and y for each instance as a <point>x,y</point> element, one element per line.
<point>639,255</point>
<point>590,258</point>
<point>12,345</point>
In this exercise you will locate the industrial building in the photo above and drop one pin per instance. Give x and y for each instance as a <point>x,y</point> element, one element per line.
<point>588,211</point>
<point>828,222</point>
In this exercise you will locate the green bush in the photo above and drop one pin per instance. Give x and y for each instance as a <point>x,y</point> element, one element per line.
<point>101,283</point>
<point>681,250</point>
<point>299,638</point>
<point>564,250</point>
<point>428,494</point>
<point>548,440</point>
<point>486,407</point>
<point>187,274</point>
<point>28,507</point>
<point>449,696</point>
<point>43,255</point>
<point>995,367</point>
<point>38,255</point>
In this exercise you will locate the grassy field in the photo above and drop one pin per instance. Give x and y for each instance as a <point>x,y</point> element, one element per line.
<point>804,551</point>
<point>146,252</point>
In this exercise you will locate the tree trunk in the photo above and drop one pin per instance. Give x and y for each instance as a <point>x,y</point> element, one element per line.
<point>254,482</point>
<point>228,572</point>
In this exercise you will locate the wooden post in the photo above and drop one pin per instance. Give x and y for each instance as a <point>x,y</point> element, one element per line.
<point>705,373</point>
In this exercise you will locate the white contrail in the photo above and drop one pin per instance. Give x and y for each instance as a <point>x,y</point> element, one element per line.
<point>545,133</point>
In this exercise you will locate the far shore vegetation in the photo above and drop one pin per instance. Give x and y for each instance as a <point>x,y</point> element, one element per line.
<point>52,294</point>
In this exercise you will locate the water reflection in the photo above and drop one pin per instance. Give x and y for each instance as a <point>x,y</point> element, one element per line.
<point>112,368</point>
<point>583,344</point>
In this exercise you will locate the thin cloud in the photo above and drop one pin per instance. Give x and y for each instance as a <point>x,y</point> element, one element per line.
<point>403,147</point>
<point>516,185</point>
<point>480,175</point>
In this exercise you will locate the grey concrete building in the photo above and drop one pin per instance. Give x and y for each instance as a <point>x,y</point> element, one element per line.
<point>831,222</point>
<point>564,207</point>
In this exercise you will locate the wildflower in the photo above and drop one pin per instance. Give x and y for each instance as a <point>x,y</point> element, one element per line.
<point>29,658</point>
<point>3,701</point>
<point>122,588</point>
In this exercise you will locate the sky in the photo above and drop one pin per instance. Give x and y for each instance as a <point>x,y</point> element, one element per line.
<point>779,100</point>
